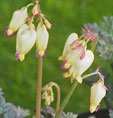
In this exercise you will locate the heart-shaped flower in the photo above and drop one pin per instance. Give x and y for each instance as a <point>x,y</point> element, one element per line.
<point>98,92</point>
<point>26,38</point>
<point>17,20</point>
<point>76,58</point>
<point>42,37</point>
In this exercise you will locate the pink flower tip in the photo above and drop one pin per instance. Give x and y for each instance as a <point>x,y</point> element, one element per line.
<point>90,34</point>
<point>38,56</point>
<point>6,32</point>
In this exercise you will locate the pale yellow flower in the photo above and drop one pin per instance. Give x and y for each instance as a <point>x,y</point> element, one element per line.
<point>48,95</point>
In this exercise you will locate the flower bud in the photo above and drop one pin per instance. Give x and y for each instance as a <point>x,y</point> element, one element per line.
<point>98,92</point>
<point>47,23</point>
<point>17,20</point>
<point>26,38</point>
<point>48,96</point>
<point>42,37</point>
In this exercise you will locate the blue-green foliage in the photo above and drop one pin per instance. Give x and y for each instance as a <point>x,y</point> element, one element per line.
<point>105,35</point>
<point>8,110</point>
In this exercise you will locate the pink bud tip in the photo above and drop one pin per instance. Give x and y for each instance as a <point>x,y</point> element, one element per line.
<point>62,66</point>
<point>97,70</point>
<point>38,56</point>
<point>98,107</point>
<point>5,32</point>
<point>90,34</point>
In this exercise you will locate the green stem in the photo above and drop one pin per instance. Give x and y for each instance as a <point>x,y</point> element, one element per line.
<point>66,99</point>
<point>39,87</point>
<point>91,74</point>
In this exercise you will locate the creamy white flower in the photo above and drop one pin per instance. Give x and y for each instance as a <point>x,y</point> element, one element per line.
<point>26,38</point>
<point>42,37</point>
<point>17,20</point>
<point>98,92</point>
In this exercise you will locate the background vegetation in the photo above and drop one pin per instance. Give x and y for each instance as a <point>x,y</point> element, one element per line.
<point>18,80</point>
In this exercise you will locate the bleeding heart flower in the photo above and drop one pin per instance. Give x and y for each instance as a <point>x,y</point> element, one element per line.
<point>98,92</point>
<point>42,37</point>
<point>26,38</point>
<point>76,58</point>
<point>17,20</point>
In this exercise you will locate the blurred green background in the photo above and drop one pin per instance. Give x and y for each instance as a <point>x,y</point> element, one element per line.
<point>18,79</point>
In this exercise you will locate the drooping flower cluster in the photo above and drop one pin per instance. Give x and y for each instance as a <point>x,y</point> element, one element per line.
<point>28,35</point>
<point>76,57</point>
<point>48,94</point>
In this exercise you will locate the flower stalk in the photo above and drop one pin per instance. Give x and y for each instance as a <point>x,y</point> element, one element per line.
<point>91,74</point>
<point>39,87</point>
<point>66,99</point>
<point>58,96</point>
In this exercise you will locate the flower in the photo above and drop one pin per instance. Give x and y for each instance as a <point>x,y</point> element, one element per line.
<point>42,37</point>
<point>26,38</point>
<point>17,20</point>
<point>98,92</point>
<point>76,58</point>
<point>48,95</point>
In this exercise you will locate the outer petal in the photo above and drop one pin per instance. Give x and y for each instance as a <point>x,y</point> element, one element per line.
<point>42,37</point>
<point>26,38</point>
<point>72,37</point>
<point>97,94</point>
<point>86,62</point>
<point>18,18</point>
